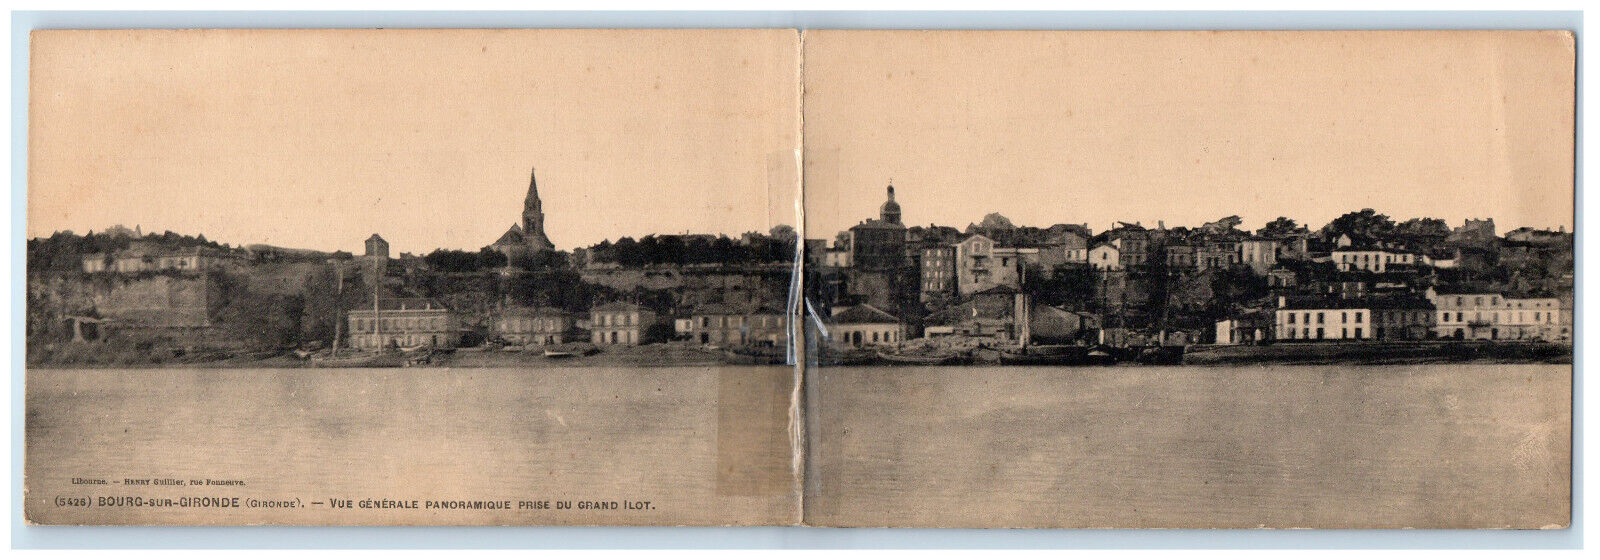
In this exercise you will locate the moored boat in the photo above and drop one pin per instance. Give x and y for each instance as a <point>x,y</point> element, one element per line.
<point>756,354</point>
<point>927,359</point>
<point>1101,356</point>
<point>1046,356</point>
<point>383,360</point>
<point>845,357</point>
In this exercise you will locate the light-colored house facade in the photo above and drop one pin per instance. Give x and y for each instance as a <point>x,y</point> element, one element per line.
<point>1491,316</point>
<point>1376,260</point>
<point>621,324</point>
<point>725,324</point>
<point>1105,256</point>
<point>1314,321</point>
<point>981,265</point>
<point>404,323</point>
<point>1259,254</point>
<point>864,325</point>
<point>938,270</point>
<point>541,326</point>
<point>144,257</point>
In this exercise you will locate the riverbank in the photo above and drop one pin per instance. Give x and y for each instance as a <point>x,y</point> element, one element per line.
<point>1380,353</point>
<point>90,356</point>
<point>97,356</point>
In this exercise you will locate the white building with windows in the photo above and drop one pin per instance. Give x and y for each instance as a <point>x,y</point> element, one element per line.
<point>1324,320</point>
<point>404,323</point>
<point>980,265</point>
<point>618,323</point>
<point>865,325</point>
<point>1105,256</point>
<point>1376,260</point>
<point>1492,316</point>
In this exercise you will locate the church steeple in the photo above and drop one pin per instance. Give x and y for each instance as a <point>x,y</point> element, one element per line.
<point>532,203</point>
<point>533,217</point>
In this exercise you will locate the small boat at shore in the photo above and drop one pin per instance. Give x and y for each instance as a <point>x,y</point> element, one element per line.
<point>846,357</point>
<point>570,350</point>
<point>1046,356</point>
<point>925,359</point>
<point>756,354</point>
<point>1101,356</point>
<point>383,360</point>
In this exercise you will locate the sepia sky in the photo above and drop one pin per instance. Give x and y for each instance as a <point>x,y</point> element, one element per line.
<point>1187,127</point>
<point>317,139</point>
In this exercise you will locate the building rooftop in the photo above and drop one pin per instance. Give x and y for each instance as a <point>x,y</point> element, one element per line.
<point>407,304</point>
<point>1380,302</point>
<point>861,315</point>
<point>543,311</point>
<point>616,306</point>
<point>877,224</point>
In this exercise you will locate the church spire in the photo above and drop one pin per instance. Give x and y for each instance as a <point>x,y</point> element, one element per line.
<point>533,218</point>
<point>532,202</point>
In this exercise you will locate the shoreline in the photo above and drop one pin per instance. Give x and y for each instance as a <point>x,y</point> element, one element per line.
<point>677,355</point>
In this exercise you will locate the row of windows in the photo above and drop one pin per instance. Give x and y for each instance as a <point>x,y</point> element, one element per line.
<point>1494,316</point>
<point>138,264</point>
<point>722,321</point>
<point>406,323</point>
<point>858,338</point>
<point>370,341</point>
<point>1412,316</point>
<point>615,320</point>
<point>1344,317</point>
<point>614,337</point>
<point>1460,301</point>
<point>1305,333</point>
<point>529,324</point>
<point>1369,257</point>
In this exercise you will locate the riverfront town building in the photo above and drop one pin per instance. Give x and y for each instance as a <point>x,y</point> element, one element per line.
<point>404,323</point>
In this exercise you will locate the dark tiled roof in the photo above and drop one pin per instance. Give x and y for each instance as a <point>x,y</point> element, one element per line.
<point>395,304</point>
<point>877,224</point>
<point>512,236</point>
<point>617,306</point>
<point>1001,289</point>
<point>536,311</point>
<point>862,314</point>
<point>1359,303</point>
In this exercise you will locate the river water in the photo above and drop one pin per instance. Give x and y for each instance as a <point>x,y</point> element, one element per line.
<point>608,435</point>
<point>1304,446</point>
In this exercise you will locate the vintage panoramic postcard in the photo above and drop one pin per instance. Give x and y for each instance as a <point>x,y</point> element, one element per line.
<point>772,277</point>
<point>412,277</point>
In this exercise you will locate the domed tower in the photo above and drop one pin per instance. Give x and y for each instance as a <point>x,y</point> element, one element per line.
<point>533,218</point>
<point>890,212</point>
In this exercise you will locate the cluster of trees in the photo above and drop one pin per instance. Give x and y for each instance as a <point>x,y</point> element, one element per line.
<point>1368,224</point>
<point>696,249</point>
<point>561,288</point>
<point>451,260</point>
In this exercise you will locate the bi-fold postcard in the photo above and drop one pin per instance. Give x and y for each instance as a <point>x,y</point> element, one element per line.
<point>1055,279</point>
